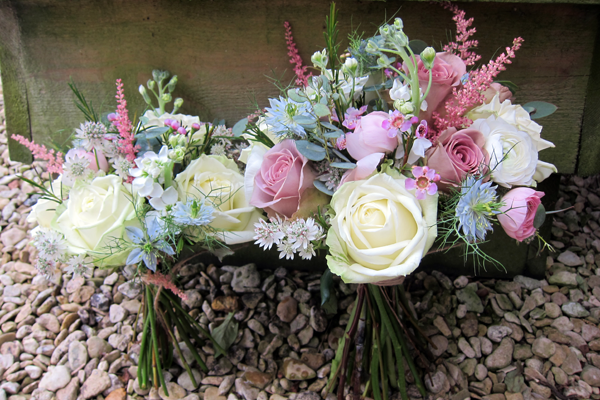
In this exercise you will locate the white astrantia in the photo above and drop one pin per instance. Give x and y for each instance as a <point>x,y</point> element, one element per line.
<point>91,135</point>
<point>149,174</point>
<point>122,166</point>
<point>513,153</point>
<point>75,167</point>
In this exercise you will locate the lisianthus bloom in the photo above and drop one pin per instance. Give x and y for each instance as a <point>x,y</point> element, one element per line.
<point>424,181</point>
<point>518,212</point>
<point>380,230</point>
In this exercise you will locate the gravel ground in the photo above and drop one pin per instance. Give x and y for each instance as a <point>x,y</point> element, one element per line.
<point>494,339</point>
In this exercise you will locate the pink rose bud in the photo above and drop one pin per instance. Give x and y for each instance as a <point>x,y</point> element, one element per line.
<point>195,126</point>
<point>112,117</point>
<point>168,122</point>
<point>175,125</point>
<point>370,136</point>
<point>520,206</point>
<point>182,131</point>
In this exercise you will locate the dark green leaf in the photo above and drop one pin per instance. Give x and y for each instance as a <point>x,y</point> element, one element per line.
<point>539,109</point>
<point>343,165</point>
<point>321,186</point>
<point>326,285</point>
<point>226,333</point>
<point>312,151</point>
<point>417,46</point>
<point>540,216</point>
<point>240,127</point>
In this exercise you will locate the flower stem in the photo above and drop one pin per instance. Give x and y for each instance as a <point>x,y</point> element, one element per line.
<point>156,358</point>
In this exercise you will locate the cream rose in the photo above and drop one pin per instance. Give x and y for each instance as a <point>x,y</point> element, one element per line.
<point>44,210</point>
<point>513,153</point>
<point>380,230</point>
<point>94,216</point>
<point>218,180</point>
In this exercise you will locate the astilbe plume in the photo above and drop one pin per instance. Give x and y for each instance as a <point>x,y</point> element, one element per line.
<point>164,281</point>
<point>299,69</point>
<point>471,93</point>
<point>40,152</point>
<point>462,45</point>
<point>124,125</point>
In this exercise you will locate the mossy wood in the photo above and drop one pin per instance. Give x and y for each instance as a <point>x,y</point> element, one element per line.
<point>223,51</point>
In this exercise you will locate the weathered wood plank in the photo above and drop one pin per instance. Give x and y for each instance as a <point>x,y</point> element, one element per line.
<point>223,50</point>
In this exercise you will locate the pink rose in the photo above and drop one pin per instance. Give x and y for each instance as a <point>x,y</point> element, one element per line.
<point>447,71</point>
<point>370,137</point>
<point>282,178</point>
<point>495,88</point>
<point>456,155</point>
<point>520,206</point>
<point>97,161</point>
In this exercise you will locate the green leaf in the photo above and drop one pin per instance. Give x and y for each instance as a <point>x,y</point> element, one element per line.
<point>343,165</point>
<point>539,109</point>
<point>304,120</point>
<point>326,285</point>
<point>417,46</point>
<point>332,134</point>
<point>240,127</point>
<point>330,126</point>
<point>321,110</point>
<point>312,151</point>
<point>374,88</point>
<point>295,95</point>
<point>226,333</point>
<point>321,186</point>
<point>155,132</point>
<point>540,216</point>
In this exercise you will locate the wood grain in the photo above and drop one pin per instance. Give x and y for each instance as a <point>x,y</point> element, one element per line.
<point>223,50</point>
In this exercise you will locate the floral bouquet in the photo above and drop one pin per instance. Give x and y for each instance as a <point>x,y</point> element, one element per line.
<point>388,148</point>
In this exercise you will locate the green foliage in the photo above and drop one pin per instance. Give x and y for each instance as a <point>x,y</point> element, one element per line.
<point>226,333</point>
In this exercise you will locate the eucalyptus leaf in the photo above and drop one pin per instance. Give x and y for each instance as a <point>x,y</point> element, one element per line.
<point>294,95</point>
<point>155,132</point>
<point>540,216</point>
<point>326,285</point>
<point>340,155</point>
<point>332,134</point>
<point>539,109</point>
<point>226,333</point>
<point>143,120</point>
<point>321,110</point>
<point>321,186</point>
<point>330,126</point>
<point>312,151</point>
<point>304,120</point>
<point>240,127</point>
<point>343,165</point>
<point>417,46</point>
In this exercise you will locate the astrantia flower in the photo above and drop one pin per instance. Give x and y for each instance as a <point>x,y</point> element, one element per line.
<point>149,244</point>
<point>477,203</point>
<point>91,135</point>
<point>301,233</point>
<point>76,166</point>
<point>194,213</point>
<point>51,245</point>
<point>269,233</point>
<point>78,265</point>
<point>122,166</point>
<point>280,117</point>
<point>424,181</point>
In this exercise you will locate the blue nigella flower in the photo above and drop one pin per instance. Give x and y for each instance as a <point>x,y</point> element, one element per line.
<point>148,244</point>
<point>194,212</point>
<point>476,204</point>
<point>280,116</point>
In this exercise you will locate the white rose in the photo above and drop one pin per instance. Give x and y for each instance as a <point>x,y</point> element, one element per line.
<point>218,180</point>
<point>153,118</point>
<point>44,210</point>
<point>380,230</point>
<point>514,115</point>
<point>513,154</point>
<point>95,217</point>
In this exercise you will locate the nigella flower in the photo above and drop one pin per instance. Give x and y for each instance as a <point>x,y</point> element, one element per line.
<point>148,244</point>
<point>352,116</point>
<point>476,205</point>
<point>424,181</point>
<point>397,122</point>
<point>280,116</point>
<point>194,213</point>
<point>91,135</point>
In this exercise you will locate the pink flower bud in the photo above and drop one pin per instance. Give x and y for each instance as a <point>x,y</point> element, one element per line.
<point>168,122</point>
<point>195,126</point>
<point>112,117</point>
<point>182,131</point>
<point>175,125</point>
<point>520,206</point>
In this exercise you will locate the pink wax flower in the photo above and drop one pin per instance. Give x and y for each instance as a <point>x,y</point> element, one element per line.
<point>370,137</point>
<point>457,154</point>
<point>352,117</point>
<point>175,125</point>
<point>283,176</point>
<point>182,131</point>
<point>340,142</point>
<point>397,122</point>
<point>168,122</point>
<point>518,212</point>
<point>196,126</point>
<point>421,131</point>
<point>446,73</point>
<point>424,181</point>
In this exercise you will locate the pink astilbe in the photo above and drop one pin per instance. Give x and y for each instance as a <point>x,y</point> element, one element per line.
<point>40,152</point>
<point>462,45</point>
<point>299,69</point>
<point>126,143</point>
<point>471,94</point>
<point>164,281</point>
